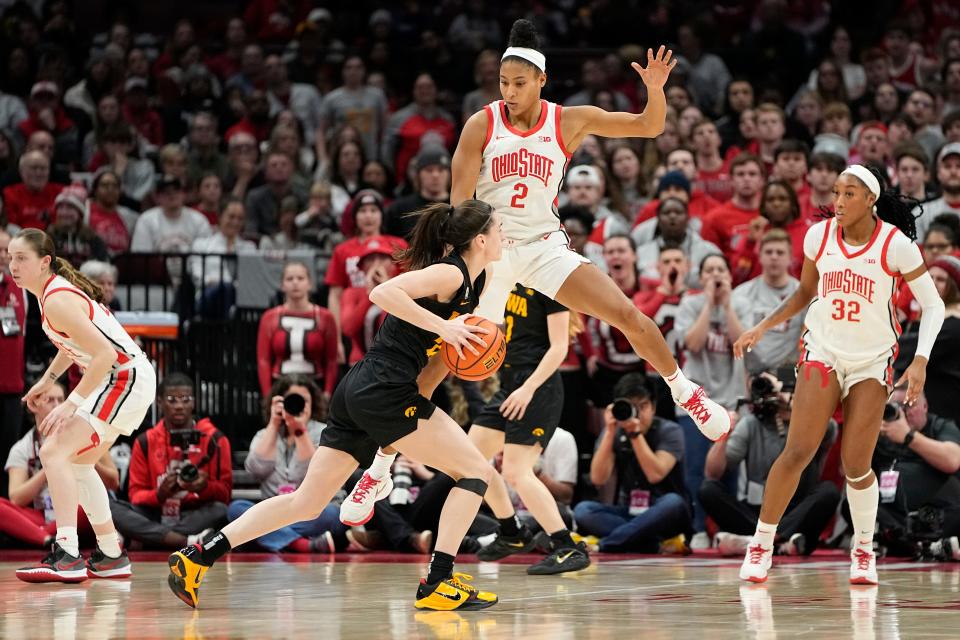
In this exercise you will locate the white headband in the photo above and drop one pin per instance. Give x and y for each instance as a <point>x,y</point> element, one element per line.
<point>532,56</point>
<point>863,174</point>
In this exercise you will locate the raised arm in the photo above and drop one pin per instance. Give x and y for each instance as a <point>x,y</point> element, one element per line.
<point>579,122</point>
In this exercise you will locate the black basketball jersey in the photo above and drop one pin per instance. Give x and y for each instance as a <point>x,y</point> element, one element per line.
<point>525,325</point>
<point>411,346</point>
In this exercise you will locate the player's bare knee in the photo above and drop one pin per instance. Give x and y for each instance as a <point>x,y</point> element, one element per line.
<point>516,474</point>
<point>51,452</point>
<point>796,458</point>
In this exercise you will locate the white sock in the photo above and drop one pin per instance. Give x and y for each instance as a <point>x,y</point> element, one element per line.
<point>67,538</point>
<point>109,543</point>
<point>381,465</point>
<point>863,511</point>
<point>680,387</point>
<point>765,534</point>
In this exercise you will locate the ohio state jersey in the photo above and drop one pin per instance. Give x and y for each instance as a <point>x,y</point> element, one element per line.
<point>521,172</point>
<point>101,318</point>
<point>853,315</point>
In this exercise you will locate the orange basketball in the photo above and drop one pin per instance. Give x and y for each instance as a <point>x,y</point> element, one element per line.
<point>473,367</point>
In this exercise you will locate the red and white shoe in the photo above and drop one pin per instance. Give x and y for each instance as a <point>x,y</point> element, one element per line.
<point>757,563</point>
<point>57,566</point>
<point>357,508</point>
<point>712,419</point>
<point>863,566</point>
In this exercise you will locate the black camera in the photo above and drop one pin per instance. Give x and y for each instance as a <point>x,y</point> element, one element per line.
<point>765,400</point>
<point>294,404</point>
<point>891,411</point>
<point>623,409</point>
<point>184,438</point>
<point>188,472</point>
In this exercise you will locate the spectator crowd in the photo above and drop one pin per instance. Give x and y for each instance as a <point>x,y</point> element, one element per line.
<point>292,129</point>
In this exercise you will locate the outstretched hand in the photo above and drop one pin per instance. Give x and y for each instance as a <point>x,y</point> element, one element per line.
<point>658,67</point>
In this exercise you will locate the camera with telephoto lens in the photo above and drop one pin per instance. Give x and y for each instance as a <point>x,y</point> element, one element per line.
<point>765,400</point>
<point>891,411</point>
<point>623,410</point>
<point>294,404</point>
<point>188,472</point>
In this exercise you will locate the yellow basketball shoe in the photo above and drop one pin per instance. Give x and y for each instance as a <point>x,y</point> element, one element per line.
<point>453,593</point>
<point>186,574</point>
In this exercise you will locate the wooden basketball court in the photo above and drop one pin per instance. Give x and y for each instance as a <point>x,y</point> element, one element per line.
<point>261,596</point>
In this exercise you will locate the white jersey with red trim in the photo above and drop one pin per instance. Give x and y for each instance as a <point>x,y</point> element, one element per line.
<point>101,318</point>
<point>522,171</point>
<point>853,315</point>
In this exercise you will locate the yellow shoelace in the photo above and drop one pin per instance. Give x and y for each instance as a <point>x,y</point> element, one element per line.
<point>459,580</point>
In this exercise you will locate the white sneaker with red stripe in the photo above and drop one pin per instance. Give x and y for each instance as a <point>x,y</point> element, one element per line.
<point>357,508</point>
<point>757,563</point>
<point>712,419</point>
<point>863,566</point>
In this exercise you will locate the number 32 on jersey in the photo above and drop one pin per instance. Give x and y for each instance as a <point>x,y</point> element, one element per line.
<point>848,310</point>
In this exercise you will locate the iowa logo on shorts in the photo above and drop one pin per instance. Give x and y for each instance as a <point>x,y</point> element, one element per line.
<point>538,432</point>
<point>410,411</point>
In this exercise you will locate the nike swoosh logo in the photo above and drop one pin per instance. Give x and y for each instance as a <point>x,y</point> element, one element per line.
<point>457,598</point>
<point>563,558</point>
<point>518,545</point>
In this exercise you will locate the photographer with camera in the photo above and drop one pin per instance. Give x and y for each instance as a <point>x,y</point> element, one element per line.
<point>180,474</point>
<point>646,453</point>
<point>916,460</point>
<point>279,456</point>
<point>757,439</point>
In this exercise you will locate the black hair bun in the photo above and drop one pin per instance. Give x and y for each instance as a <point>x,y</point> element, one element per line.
<point>524,34</point>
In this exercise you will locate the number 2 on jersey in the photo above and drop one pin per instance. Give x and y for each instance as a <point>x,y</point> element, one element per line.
<point>521,192</point>
<point>848,310</point>
<point>508,321</point>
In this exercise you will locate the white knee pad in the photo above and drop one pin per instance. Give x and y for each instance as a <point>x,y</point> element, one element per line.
<point>92,494</point>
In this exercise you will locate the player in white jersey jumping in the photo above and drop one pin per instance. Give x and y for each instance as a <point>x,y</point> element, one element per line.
<point>513,154</point>
<point>117,387</point>
<point>852,269</point>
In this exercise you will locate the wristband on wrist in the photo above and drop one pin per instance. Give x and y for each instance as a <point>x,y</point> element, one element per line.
<point>76,398</point>
<point>909,438</point>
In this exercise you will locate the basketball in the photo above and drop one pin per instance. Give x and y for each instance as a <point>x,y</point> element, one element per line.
<point>477,367</point>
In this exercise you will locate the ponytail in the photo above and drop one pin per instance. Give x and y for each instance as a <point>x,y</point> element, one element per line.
<point>66,271</point>
<point>43,245</point>
<point>442,229</point>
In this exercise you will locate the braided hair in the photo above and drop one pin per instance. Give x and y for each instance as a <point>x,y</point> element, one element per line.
<point>891,206</point>
<point>894,207</point>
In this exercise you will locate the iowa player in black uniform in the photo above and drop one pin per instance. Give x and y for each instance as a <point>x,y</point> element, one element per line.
<point>519,420</point>
<point>378,404</point>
